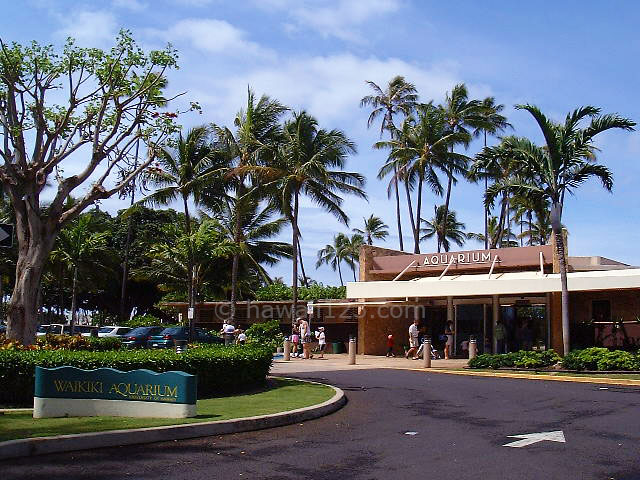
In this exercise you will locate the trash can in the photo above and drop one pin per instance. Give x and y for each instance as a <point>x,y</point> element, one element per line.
<point>337,347</point>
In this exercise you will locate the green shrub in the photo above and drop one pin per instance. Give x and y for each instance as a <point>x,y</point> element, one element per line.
<point>586,359</point>
<point>521,359</point>
<point>618,360</point>
<point>266,333</point>
<point>275,291</point>
<point>318,291</point>
<point>220,370</point>
<point>142,321</point>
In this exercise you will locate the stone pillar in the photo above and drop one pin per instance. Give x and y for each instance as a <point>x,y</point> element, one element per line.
<point>496,316</point>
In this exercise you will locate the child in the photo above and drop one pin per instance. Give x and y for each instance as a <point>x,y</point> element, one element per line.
<point>242,337</point>
<point>322,342</point>
<point>390,346</point>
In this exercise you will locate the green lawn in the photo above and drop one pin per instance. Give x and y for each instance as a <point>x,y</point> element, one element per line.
<point>620,376</point>
<point>281,395</point>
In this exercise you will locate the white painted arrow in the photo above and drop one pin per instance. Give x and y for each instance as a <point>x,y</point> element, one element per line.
<point>531,438</point>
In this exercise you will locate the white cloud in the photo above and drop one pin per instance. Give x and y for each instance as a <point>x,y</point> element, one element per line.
<point>89,28</point>
<point>213,36</point>
<point>133,5</point>
<point>338,18</point>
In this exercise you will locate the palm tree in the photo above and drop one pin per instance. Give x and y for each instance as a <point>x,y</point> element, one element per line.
<point>184,173</point>
<point>192,260</point>
<point>373,227</point>
<point>254,143</point>
<point>445,232</point>
<point>418,151</point>
<point>332,254</point>
<point>76,248</point>
<point>462,115</point>
<point>311,162</point>
<point>351,252</point>
<point>501,235</point>
<point>493,122</point>
<point>258,227</point>
<point>565,162</point>
<point>399,97</point>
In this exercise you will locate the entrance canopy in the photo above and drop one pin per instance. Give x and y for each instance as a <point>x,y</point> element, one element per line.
<point>510,283</point>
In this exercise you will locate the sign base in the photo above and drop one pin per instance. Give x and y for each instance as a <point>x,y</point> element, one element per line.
<point>74,407</point>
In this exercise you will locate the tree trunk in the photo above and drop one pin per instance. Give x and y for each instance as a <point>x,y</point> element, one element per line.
<point>395,173</point>
<point>304,275</point>
<point>74,304</point>
<point>497,239</point>
<point>446,205</point>
<point>190,294</point>
<point>556,225</point>
<point>340,273</point>
<point>413,222</point>
<point>416,247</point>
<point>22,309</point>
<point>294,280</point>
<point>486,214</point>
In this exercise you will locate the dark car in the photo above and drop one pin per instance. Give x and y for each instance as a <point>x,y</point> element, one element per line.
<point>167,338</point>
<point>3,329</point>
<point>137,338</point>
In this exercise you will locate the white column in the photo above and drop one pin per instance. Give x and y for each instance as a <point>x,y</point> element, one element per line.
<point>451,318</point>
<point>484,326</point>
<point>496,316</point>
<point>547,314</point>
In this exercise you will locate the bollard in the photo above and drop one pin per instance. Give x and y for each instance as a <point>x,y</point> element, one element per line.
<point>352,350</point>
<point>180,346</point>
<point>426,353</point>
<point>473,348</point>
<point>287,349</point>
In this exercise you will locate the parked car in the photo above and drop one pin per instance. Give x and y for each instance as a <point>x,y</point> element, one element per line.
<point>3,329</point>
<point>137,338</point>
<point>113,331</point>
<point>86,330</point>
<point>167,337</point>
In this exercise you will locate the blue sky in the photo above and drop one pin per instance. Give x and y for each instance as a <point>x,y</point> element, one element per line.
<point>316,55</point>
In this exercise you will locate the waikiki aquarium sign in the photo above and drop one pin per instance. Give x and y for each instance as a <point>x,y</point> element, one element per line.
<point>74,392</point>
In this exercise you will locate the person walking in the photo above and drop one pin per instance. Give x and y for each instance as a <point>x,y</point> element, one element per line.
<point>295,338</point>
<point>414,333</point>
<point>390,346</point>
<point>305,337</point>
<point>322,341</point>
<point>448,346</point>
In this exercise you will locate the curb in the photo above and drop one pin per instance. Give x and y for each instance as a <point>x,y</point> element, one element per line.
<point>528,376</point>
<point>26,447</point>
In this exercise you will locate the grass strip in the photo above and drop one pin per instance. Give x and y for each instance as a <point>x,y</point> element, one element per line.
<point>281,395</point>
<point>617,376</point>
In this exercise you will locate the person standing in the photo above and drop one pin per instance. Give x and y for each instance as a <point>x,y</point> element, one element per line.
<point>229,334</point>
<point>448,346</point>
<point>322,341</point>
<point>414,333</point>
<point>390,346</point>
<point>501,336</point>
<point>295,339</point>
<point>305,337</point>
<point>242,337</point>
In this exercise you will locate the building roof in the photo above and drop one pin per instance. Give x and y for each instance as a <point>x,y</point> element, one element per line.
<point>513,283</point>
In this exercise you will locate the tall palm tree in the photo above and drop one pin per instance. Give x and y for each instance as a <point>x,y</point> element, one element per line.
<point>333,254</point>
<point>419,151</point>
<point>311,162</point>
<point>76,248</point>
<point>445,232</point>
<point>463,116</point>
<point>501,235</point>
<point>565,162</point>
<point>253,143</point>
<point>399,97</point>
<point>351,252</point>
<point>493,122</point>
<point>184,173</point>
<point>373,227</point>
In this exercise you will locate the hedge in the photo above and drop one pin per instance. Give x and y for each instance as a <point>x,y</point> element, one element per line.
<point>521,359</point>
<point>601,359</point>
<point>221,370</point>
<point>64,342</point>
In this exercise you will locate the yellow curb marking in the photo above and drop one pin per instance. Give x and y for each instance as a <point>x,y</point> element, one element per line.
<point>528,376</point>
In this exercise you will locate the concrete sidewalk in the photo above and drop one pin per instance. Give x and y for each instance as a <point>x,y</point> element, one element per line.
<point>340,362</point>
